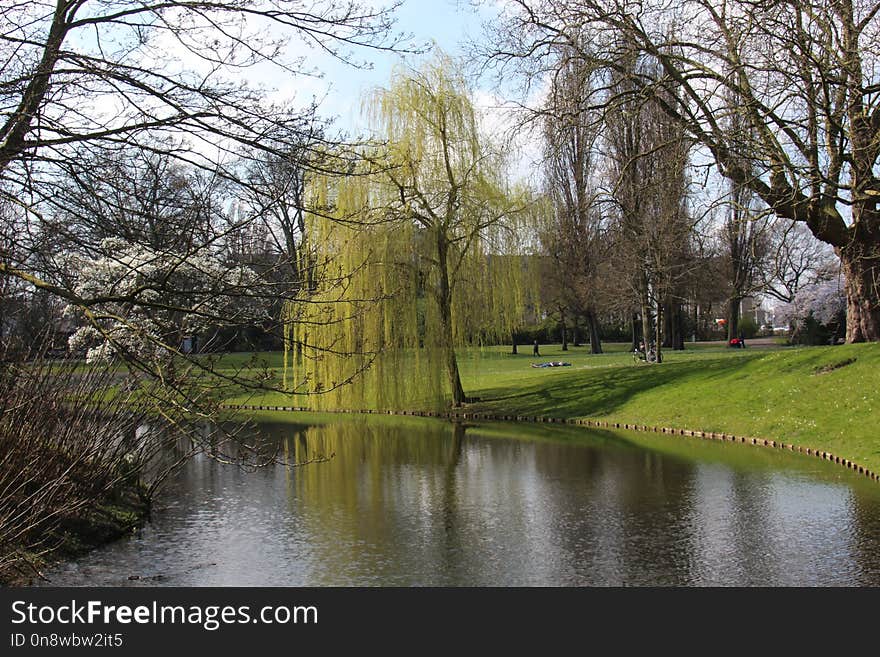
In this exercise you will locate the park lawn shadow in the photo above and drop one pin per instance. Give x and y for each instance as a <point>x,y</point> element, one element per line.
<point>596,393</point>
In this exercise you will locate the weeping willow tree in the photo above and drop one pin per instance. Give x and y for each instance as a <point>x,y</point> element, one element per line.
<point>420,250</point>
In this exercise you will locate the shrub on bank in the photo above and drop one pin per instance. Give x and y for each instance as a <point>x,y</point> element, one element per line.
<point>69,473</point>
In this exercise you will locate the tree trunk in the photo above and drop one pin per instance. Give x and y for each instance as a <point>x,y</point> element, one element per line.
<point>658,329</point>
<point>564,334</point>
<point>593,328</point>
<point>860,263</point>
<point>635,331</point>
<point>733,318</point>
<point>647,332</point>
<point>13,139</point>
<point>679,328</point>
<point>673,326</point>
<point>447,342</point>
<point>458,397</point>
<point>668,327</point>
<point>513,338</point>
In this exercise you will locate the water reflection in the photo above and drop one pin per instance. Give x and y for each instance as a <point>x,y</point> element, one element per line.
<point>429,503</point>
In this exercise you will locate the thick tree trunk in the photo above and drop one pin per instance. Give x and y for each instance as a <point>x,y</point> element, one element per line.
<point>679,328</point>
<point>733,318</point>
<point>860,253</point>
<point>668,327</point>
<point>673,327</point>
<point>593,328</point>
<point>861,269</point>
<point>448,346</point>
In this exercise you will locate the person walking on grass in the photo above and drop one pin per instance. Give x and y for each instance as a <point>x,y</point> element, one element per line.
<point>535,350</point>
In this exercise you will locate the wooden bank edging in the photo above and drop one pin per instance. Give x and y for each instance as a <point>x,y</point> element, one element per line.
<point>598,424</point>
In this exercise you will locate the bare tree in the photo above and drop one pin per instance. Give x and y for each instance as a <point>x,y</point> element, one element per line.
<point>795,259</point>
<point>141,105</point>
<point>64,59</point>
<point>61,460</point>
<point>573,240</point>
<point>805,74</point>
<point>143,197</point>
<point>744,246</point>
<point>648,160</point>
<point>276,194</point>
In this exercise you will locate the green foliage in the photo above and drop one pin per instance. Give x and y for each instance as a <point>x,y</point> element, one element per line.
<point>748,327</point>
<point>810,332</point>
<point>417,251</point>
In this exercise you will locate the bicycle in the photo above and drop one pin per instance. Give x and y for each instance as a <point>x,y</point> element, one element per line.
<point>640,355</point>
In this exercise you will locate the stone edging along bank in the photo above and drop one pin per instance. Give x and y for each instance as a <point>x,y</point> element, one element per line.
<point>599,424</point>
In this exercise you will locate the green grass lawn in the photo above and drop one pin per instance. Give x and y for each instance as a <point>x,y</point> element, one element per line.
<point>821,397</point>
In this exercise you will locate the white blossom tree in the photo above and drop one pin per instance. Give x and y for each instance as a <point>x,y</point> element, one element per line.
<point>181,294</point>
<point>817,305</point>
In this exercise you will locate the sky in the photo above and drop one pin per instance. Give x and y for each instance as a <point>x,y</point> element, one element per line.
<point>447,24</point>
<point>340,89</point>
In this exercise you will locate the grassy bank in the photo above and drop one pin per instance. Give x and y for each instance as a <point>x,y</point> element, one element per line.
<point>820,397</point>
<point>825,398</point>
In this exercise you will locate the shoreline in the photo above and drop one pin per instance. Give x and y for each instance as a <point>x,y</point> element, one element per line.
<point>97,526</point>
<point>597,424</point>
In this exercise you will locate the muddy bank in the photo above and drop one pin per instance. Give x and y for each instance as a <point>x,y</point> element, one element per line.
<point>77,534</point>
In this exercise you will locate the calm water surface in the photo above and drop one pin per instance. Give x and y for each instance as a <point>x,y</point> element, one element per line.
<point>429,503</point>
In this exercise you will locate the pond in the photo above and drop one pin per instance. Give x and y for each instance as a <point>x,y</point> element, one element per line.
<point>425,502</point>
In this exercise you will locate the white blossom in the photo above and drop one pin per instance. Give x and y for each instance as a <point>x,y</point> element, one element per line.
<point>152,296</point>
<point>823,301</point>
